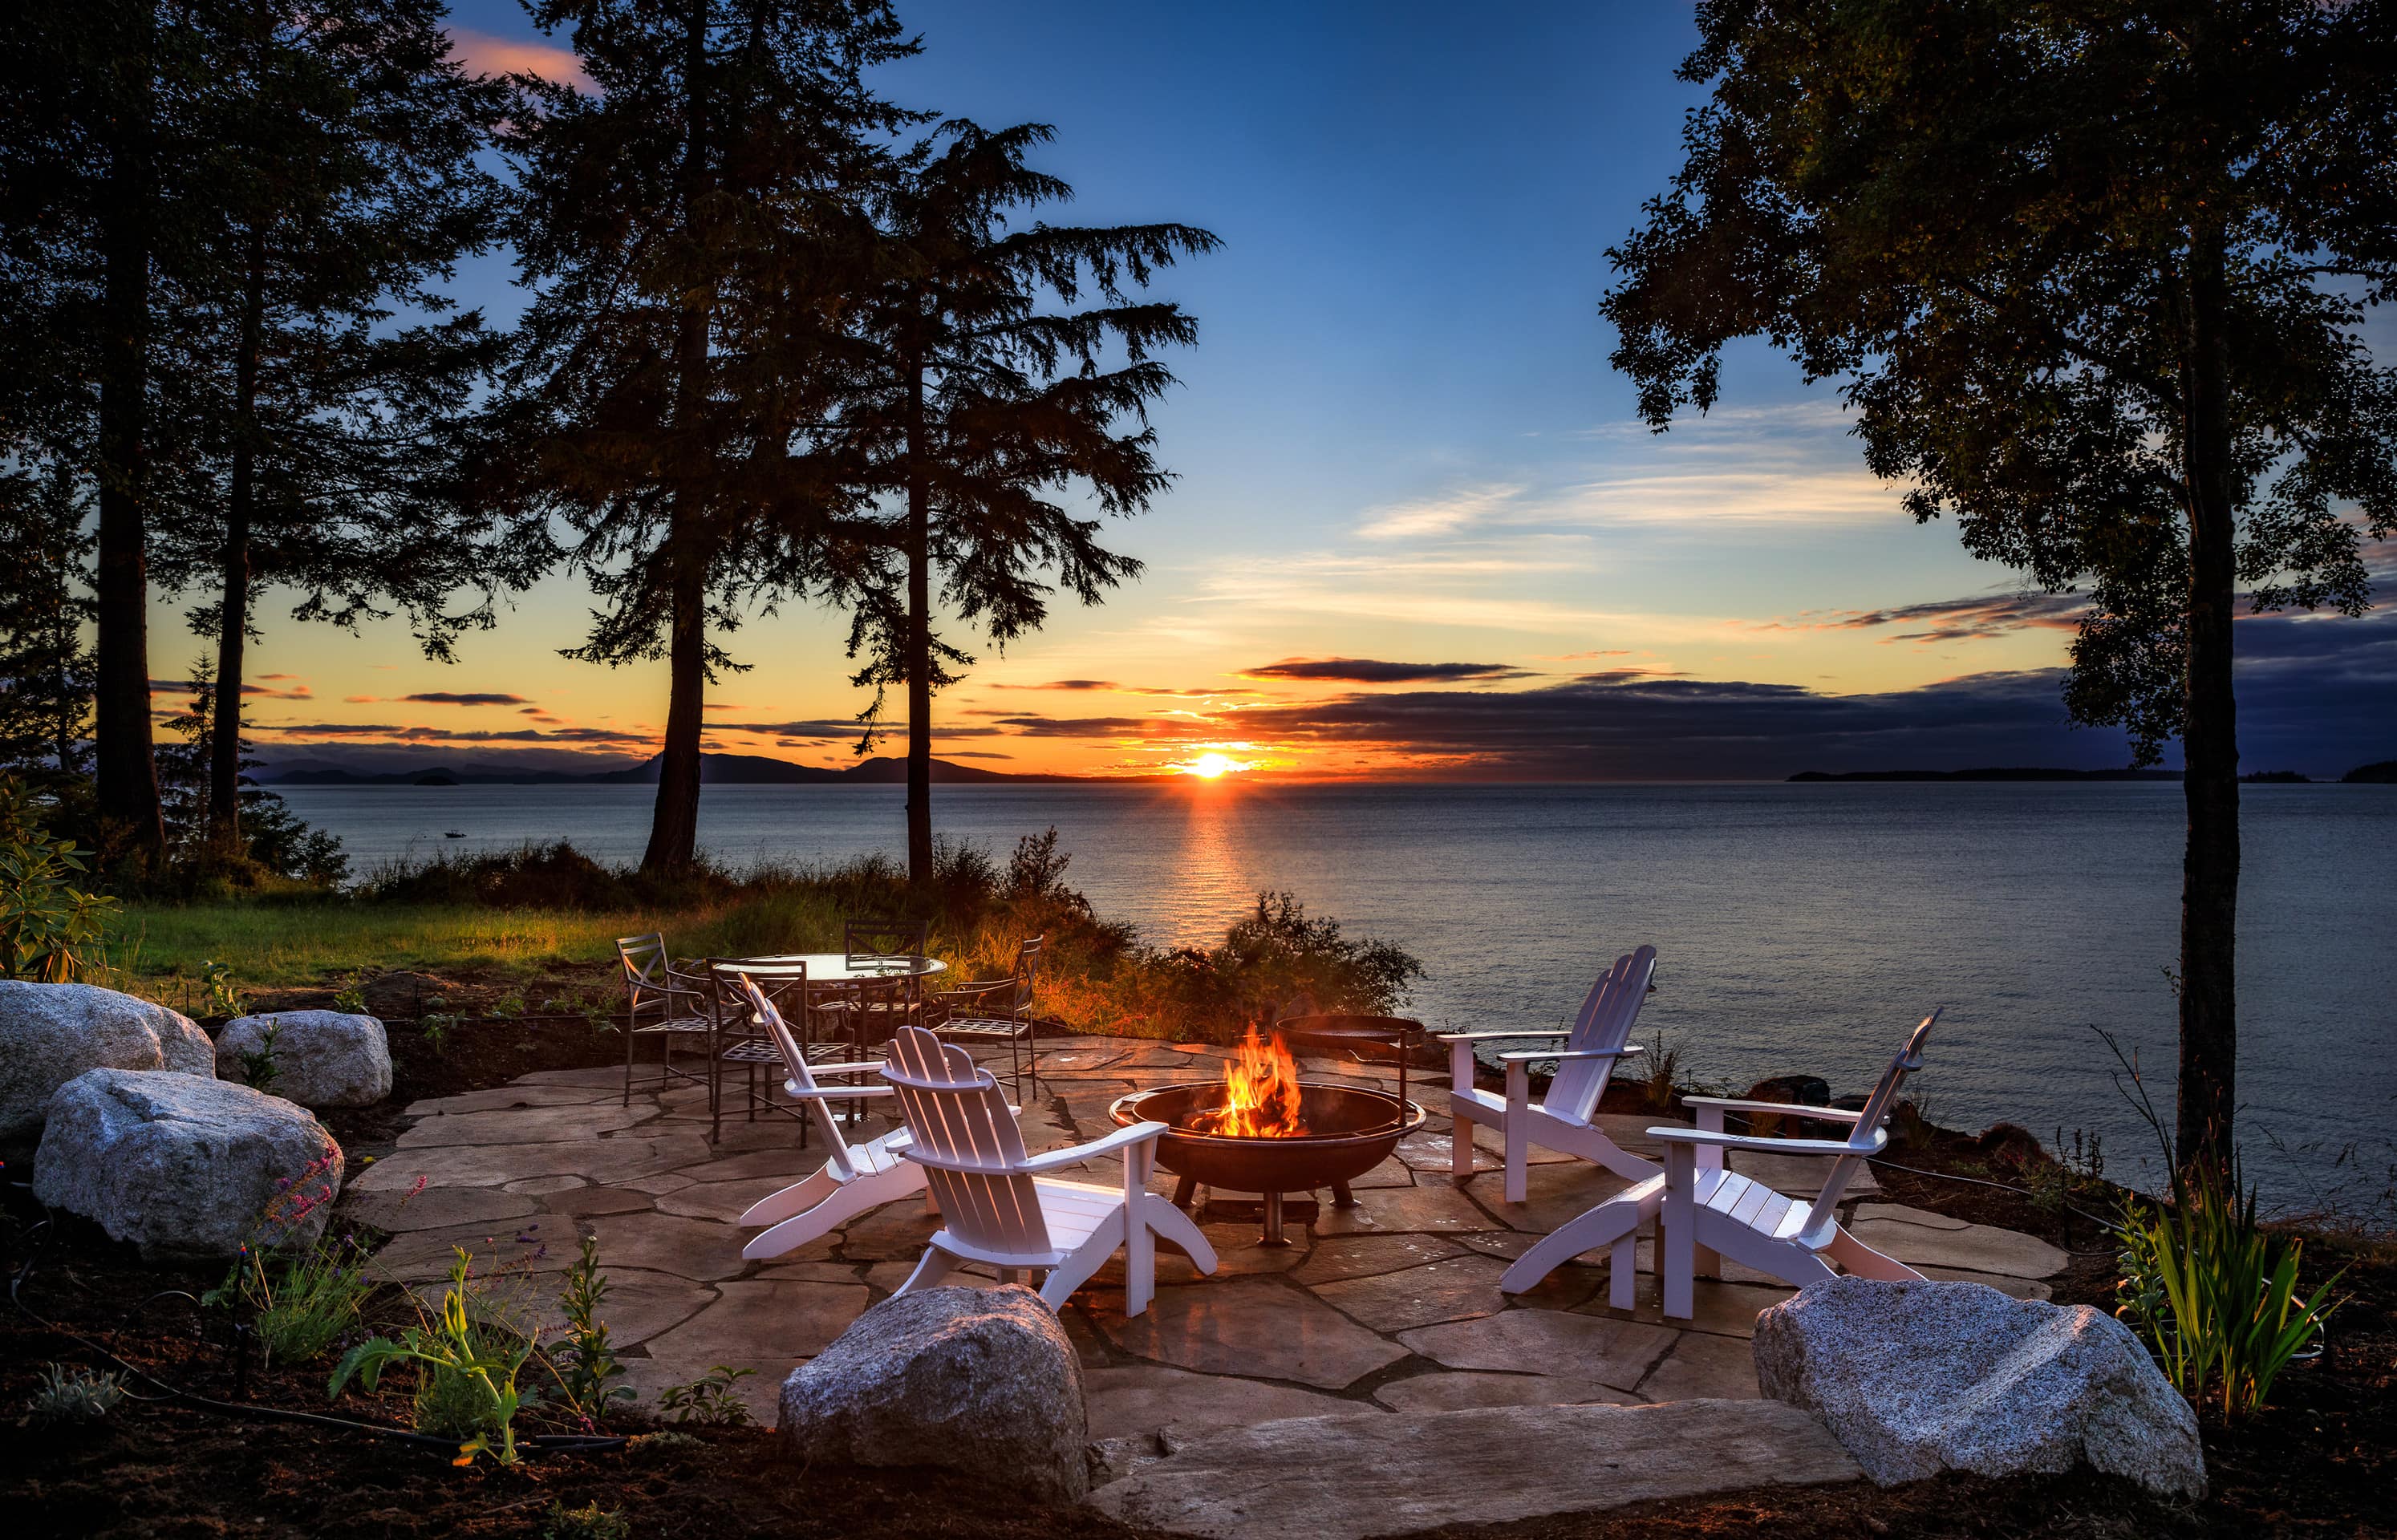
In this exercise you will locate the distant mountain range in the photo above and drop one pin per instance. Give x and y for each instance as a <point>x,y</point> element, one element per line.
<point>715,770</point>
<point>2024,773</point>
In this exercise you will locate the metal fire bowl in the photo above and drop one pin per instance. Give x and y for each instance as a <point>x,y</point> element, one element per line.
<point>1386,1036</point>
<point>1356,1130</point>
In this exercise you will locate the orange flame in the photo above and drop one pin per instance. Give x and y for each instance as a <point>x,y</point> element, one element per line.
<point>1260,1097</point>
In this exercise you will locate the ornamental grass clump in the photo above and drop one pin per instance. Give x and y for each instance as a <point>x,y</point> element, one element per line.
<point>75,1397</point>
<point>301,1302</point>
<point>2214,1295</point>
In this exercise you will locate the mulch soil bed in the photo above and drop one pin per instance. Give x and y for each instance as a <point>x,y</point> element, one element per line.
<point>2321,1462</point>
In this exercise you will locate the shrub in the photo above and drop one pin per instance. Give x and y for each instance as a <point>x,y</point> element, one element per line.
<point>2214,1295</point>
<point>466,1372</point>
<point>75,1397</point>
<point>50,930</point>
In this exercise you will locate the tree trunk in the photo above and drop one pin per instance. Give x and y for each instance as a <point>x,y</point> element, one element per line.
<point>919,637</point>
<point>233,621</point>
<point>674,827</point>
<point>2206,1099</point>
<point>126,771</point>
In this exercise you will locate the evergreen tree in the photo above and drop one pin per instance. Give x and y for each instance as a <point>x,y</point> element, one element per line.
<point>680,227</point>
<point>271,840</point>
<point>343,185</point>
<point>2092,279</point>
<point>44,666</point>
<point>96,176</point>
<point>986,396</point>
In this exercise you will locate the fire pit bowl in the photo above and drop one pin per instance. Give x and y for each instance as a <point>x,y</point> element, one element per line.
<point>1352,1129</point>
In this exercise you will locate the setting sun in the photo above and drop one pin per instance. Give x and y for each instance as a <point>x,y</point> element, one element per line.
<point>1208,766</point>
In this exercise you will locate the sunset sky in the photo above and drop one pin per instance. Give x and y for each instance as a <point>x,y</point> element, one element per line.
<point>1416,529</point>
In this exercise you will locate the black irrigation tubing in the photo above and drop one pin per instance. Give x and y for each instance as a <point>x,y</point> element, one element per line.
<point>540,1443</point>
<point>2002,1187</point>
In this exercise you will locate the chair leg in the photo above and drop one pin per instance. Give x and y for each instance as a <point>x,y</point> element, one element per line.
<point>1460,1148</point>
<point>934,1268</point>
<point>631,1038</point>
<point>1861,1261</point>
<point>1623,1272</point>
<point>1519,1160</point>
<point>1677,1240</point>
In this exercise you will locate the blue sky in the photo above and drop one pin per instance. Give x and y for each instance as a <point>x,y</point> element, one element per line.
<point>1398,439</point>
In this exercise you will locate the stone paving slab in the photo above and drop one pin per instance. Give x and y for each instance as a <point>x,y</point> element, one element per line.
<point>1348,1478</point>
<point>1388,1310</point>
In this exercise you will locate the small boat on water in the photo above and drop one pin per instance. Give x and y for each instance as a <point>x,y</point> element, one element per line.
<point>453,834</point>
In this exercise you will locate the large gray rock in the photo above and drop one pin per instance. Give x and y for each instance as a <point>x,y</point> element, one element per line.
<point>321,1058</point>
<point>184,1167</point>
<point>977,1380</point>
<point>50,1033</point>
<point>1917,1378</point>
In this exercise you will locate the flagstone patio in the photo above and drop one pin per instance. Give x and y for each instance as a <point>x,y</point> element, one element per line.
<point>1390,1306</point>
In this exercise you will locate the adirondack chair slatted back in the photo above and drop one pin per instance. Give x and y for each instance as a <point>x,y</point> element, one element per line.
<point>1605,1022</point>
<point>801,1083</point>
<point>1877,1110</point>
<point>956,1114</point>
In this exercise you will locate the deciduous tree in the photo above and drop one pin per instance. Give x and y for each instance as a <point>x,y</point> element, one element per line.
<point>2091,278</point>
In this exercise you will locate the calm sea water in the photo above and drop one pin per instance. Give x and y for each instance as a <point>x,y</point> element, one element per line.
<point>1799,927</point>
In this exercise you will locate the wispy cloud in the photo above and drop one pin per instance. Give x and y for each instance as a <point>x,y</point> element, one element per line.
<point>455,698</point>
<point>1441,514</point>
<point>490,55</point>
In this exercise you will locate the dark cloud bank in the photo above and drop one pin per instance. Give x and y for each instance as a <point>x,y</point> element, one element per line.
<point>2316,694</point>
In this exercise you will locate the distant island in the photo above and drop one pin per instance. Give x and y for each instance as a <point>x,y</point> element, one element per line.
<point>2025,773</point>
<point>2380,773</point>
<point>715,770</point>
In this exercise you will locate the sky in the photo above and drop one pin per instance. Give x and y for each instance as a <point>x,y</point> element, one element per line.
<point>1415,530</point>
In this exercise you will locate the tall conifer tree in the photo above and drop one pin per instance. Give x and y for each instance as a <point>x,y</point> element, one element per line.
<point>663,223</point>
<point>343,185</point>
<point>986,396</point>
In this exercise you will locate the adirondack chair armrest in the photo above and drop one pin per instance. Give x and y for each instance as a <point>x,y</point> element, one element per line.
<point>842,1093</point>
<point>1782,1109</point>
<point>1074,1155</point>
<point>1491,1036</point>
<point>1556,1055</point>
<point>1705,1138</point>
<point>874,1068</point>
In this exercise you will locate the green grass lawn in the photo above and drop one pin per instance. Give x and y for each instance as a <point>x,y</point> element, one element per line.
<point>282,945</point>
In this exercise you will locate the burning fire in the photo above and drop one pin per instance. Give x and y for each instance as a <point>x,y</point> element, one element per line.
<point>1261,1099</point>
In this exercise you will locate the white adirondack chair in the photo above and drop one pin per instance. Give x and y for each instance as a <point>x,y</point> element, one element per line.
<point>1000,1206</point>
<point>1599,1039</point>
<point>854,1177</point>
<point>1705,1212</point>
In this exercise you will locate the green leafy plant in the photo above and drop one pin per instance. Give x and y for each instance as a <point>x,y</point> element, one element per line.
<point>258,1069</point>
<point>352,996</point>
<point>709,1400</point>
<point>468,1371</point>
<point>301,1302</point>
<point>588,1522</point>
<point>507,1008</point>
<point>75,1397</point>
<point>587,1363</point>
<point>225,998</point>
<point>436,1023</point>
<point>50,928</point>
<point>2214,1295</point>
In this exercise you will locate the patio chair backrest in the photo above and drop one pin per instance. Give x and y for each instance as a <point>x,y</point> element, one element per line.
<point>644,960</point>
<point>1877,1110</point>
<point>870,941</point>
<point>801,1081</point>
<point>1604,1024</point>
<point>973,1152</point>
<point>1027,973</point>
<point>784,981</point>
